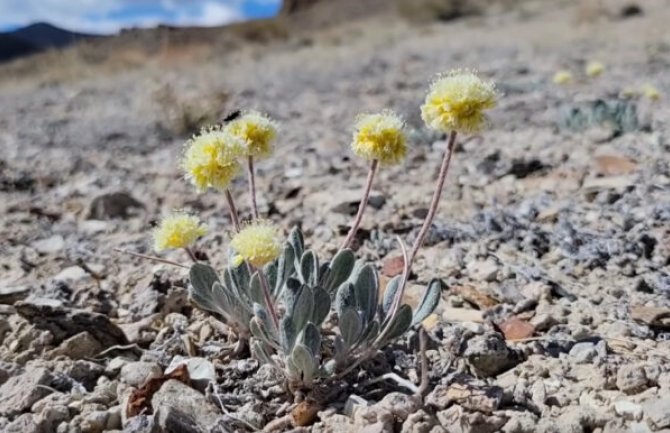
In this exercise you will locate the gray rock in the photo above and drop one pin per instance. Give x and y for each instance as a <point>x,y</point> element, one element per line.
<point>137,373</point>
<point>628,410</point>
<point>488,355</point>
<point>65,322</point>
<point>398,404</point>
<point>176,395</point>
<point>200,371</point>
<point>26,423</point>
<point>657,412</point>
<point>419,422</point>
<point>583,353</point>
<point>332,423</point>
<point>113,205</point>
<point>20,392</point>
<point>457,420</point>
<point>173,420</point>
<point>353,402</point>
<point>49,245</point>
<point>10,295</point>
<point>94,422</point>
<point>520,422</point>
<point>79,346</point>
<point>140,424</point>
<point>631,379</point>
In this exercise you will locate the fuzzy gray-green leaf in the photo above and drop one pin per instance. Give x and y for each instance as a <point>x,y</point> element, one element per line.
<point>350,326</point>
<point>340,269</point>
<point>287,335</point>
<point>302,308</point>
<point>321,306</point>
<point>366,285</point>
<point>202,278</point>
<point>431,297</point>
<point>291,292</point>
<point>261,355</point>
<point>400,323</point>
<point>304,362</point>
<point>297,241</point>
<point>309,268</point>
<point>345,298</point>
<point>285,267</point>
<point>311,338</point>
<point>256,290</point>
<point>392,288</point>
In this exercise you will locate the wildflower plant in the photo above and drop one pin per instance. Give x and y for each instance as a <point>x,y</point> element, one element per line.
<point>276,294</point>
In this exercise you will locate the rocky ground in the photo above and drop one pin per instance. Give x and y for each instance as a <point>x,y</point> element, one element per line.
<point>553,237</point>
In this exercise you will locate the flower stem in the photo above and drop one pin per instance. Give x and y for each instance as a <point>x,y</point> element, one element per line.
<point>268,298</point>
<point>252,186</point>
<point>446,159</point>
<point>233,210</point>
<point>361,207</point>
<point>153,258</point>
<point>191,254</point>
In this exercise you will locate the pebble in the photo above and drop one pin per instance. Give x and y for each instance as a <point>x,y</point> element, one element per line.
<point>137,373</point>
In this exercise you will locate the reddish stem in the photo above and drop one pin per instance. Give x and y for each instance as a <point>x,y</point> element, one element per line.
<point>252,186</point>
<point>361,207</point>
<point>233,210</point>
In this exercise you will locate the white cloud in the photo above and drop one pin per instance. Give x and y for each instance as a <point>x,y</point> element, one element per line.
<point>103,16</point>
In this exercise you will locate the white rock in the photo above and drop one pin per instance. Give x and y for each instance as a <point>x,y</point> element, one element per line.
<point>50,245</point>
<point>628,410</point>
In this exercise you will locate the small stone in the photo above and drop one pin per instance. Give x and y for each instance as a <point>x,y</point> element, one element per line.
<point>583,352</point>
<point>114,366</point>
<point>628,410</point>
<point>488,355</point>
<point>71,274</point>
<point>486,270</point>
<point>516,329</point>
<point>26,423</point>
<point>304,414</point>
<point>79,346</point>
<point>200,371</point>
<point>353,402</point>
<point>176,395</point>
<point>50,245</point>
<point>10,295</point>
<point>94,422</point>
<point>398,404</point>
<point>393,266</point>
<point>113,205</point>
<point>114,418</point>
<point>137,373</point>
<point>455,419</point>
<point>631,379</point>
<point>376,201</point>
<point>657,413</point>
<point>20,392</point>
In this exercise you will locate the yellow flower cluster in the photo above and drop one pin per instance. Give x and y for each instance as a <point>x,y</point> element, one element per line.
<point>211,159</point>
<point>457,101</point>
<point>594,69</point>
<point>179,230</point>
<point>380,137</point>
<point>258,243</point>
<point>562,77</point>
<point>257,131</point>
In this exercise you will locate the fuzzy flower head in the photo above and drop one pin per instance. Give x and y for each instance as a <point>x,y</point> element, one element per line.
<point>255,129</point>
<point>211,159</point>
<point>651,92</point>
<point>594,69</point>
<point>562,77</point>
<point>380,136</point>
<point>179,230</point>
<point>258,243</point>
<point>457,101</point>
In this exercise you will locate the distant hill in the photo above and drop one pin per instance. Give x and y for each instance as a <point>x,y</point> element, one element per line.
<point>35,38</point>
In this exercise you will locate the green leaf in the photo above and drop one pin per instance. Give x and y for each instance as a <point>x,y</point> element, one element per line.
<point>311,338</point>
<point>431,297</point>
<point>321,306</point>
<point>293,287</point>
<point>345,298</point>
<point>297,241</point>
<point>304,363</point>
<point>371,332</point>
<point>309,268</point>
<point>265,321</point>
<point>202,278</point>
<point>287,335</point>
<point>399,324</point>
<point>340,269</point>
<point>270,272</point>
<point>367,286</point>
<point>390,293</point>
<point>260,354</point>
<point>256,291</point>
<point>303,307</point>
<point>350,326</point>
<point>285,267</point>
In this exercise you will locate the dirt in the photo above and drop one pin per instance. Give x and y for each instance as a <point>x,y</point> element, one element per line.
<point>559,222</point>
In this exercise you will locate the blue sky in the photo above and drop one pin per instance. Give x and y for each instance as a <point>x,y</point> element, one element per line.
<point>109,16</point>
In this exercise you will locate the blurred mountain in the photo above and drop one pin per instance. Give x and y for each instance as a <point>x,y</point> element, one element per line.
<point>35,38</point>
